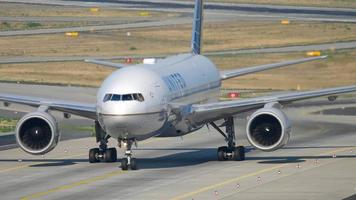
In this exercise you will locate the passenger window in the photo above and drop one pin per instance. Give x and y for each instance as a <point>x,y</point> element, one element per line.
<point>116,97</point>
<point>127,97</point>
<point>107,97</point>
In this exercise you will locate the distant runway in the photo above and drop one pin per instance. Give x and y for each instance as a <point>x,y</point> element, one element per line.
<point>96,28</point>
<point>318,163</point>
<point>214,12</point>
<point>177,5</point>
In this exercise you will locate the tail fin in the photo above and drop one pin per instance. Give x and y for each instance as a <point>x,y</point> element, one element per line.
<point>197,27</point>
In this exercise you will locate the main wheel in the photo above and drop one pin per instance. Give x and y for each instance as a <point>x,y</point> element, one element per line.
<point>133,164</point>
<point>124,164</point>
<point>110,155</point>
<point>239,153</point>
<point>222,153</point>
<point>93,155</point>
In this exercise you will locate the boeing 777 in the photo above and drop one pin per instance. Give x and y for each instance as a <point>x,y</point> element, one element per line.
<point>171,97</point>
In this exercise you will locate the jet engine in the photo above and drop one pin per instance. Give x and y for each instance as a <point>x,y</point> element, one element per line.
<point>37,133</point>
<point>268,129</point>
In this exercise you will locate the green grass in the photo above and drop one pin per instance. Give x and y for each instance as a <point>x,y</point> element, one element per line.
<point>7,124</point>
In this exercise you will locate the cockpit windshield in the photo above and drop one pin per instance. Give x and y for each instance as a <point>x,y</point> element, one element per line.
<point>124,97</point>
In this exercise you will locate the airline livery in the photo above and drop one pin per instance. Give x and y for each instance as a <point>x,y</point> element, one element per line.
<point>167,98</point>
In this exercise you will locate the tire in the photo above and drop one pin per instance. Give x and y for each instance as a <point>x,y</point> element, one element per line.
<point>110,155</point>
<point>239,153</point>
<point>93,155</point>
<point>133,164</point>
<point>222,153</point>
<point>124,164</point>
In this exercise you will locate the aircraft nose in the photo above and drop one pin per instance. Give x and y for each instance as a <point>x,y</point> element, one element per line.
<point>133,126</point>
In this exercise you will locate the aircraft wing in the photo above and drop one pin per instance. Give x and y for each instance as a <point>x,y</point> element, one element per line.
<point>105,63</point>
<point>239,72</point>
<point>204,113</point>
<point>76,108</point>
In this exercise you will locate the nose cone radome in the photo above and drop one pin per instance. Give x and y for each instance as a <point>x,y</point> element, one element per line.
<point>131,80</point>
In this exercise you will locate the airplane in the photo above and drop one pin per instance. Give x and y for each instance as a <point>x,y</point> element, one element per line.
<point>171,97</point>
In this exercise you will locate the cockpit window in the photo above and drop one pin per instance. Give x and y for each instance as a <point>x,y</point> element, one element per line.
<point>116,97</point>
<point>138,97</point>
<point>124,97</point>
<point>107,97</point>
<point>127,97</point>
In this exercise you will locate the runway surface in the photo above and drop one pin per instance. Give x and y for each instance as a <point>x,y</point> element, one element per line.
<point>318,163</point>
<point>214,12</point>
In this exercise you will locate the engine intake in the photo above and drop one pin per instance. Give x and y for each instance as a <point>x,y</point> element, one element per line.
<point>268,129</point>
<point>37,133</point>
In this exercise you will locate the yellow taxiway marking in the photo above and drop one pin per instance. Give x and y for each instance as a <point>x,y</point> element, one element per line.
<point>65,157</point>
<point>73,185</point>
<point>203,189</point>
<point>210,187</point>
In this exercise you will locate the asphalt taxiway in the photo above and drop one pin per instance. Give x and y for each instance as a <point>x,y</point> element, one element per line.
<point>318,163</point>
<point>214,12</point>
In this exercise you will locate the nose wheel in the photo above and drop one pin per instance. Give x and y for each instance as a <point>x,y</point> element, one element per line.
<point>128,161</point>
<point>229,152</point>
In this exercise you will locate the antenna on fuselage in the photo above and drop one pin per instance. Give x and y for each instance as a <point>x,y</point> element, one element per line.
<point>197,27</point>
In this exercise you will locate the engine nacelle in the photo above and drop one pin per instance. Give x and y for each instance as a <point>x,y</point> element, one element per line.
<point>37,133</point>
<point>268,129</point>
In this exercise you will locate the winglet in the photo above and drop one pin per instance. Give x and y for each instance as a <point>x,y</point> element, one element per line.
<point>197,27</point>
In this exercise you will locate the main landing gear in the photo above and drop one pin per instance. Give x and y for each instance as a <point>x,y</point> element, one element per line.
<point>229,152</point>
<point>128,160</point>
<point>103,153</point>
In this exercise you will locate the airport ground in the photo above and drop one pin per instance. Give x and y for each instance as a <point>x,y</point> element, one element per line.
<point>318,162</point>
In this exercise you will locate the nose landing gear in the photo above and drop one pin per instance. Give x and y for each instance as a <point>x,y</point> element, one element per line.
<point>128,160</point>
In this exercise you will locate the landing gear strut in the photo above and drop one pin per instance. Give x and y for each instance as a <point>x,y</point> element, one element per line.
<point>229,152</point>
<point>128,160</point>
<point>103,153</point>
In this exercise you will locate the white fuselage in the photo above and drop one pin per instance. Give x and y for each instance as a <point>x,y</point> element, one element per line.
<point>185,78</point>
